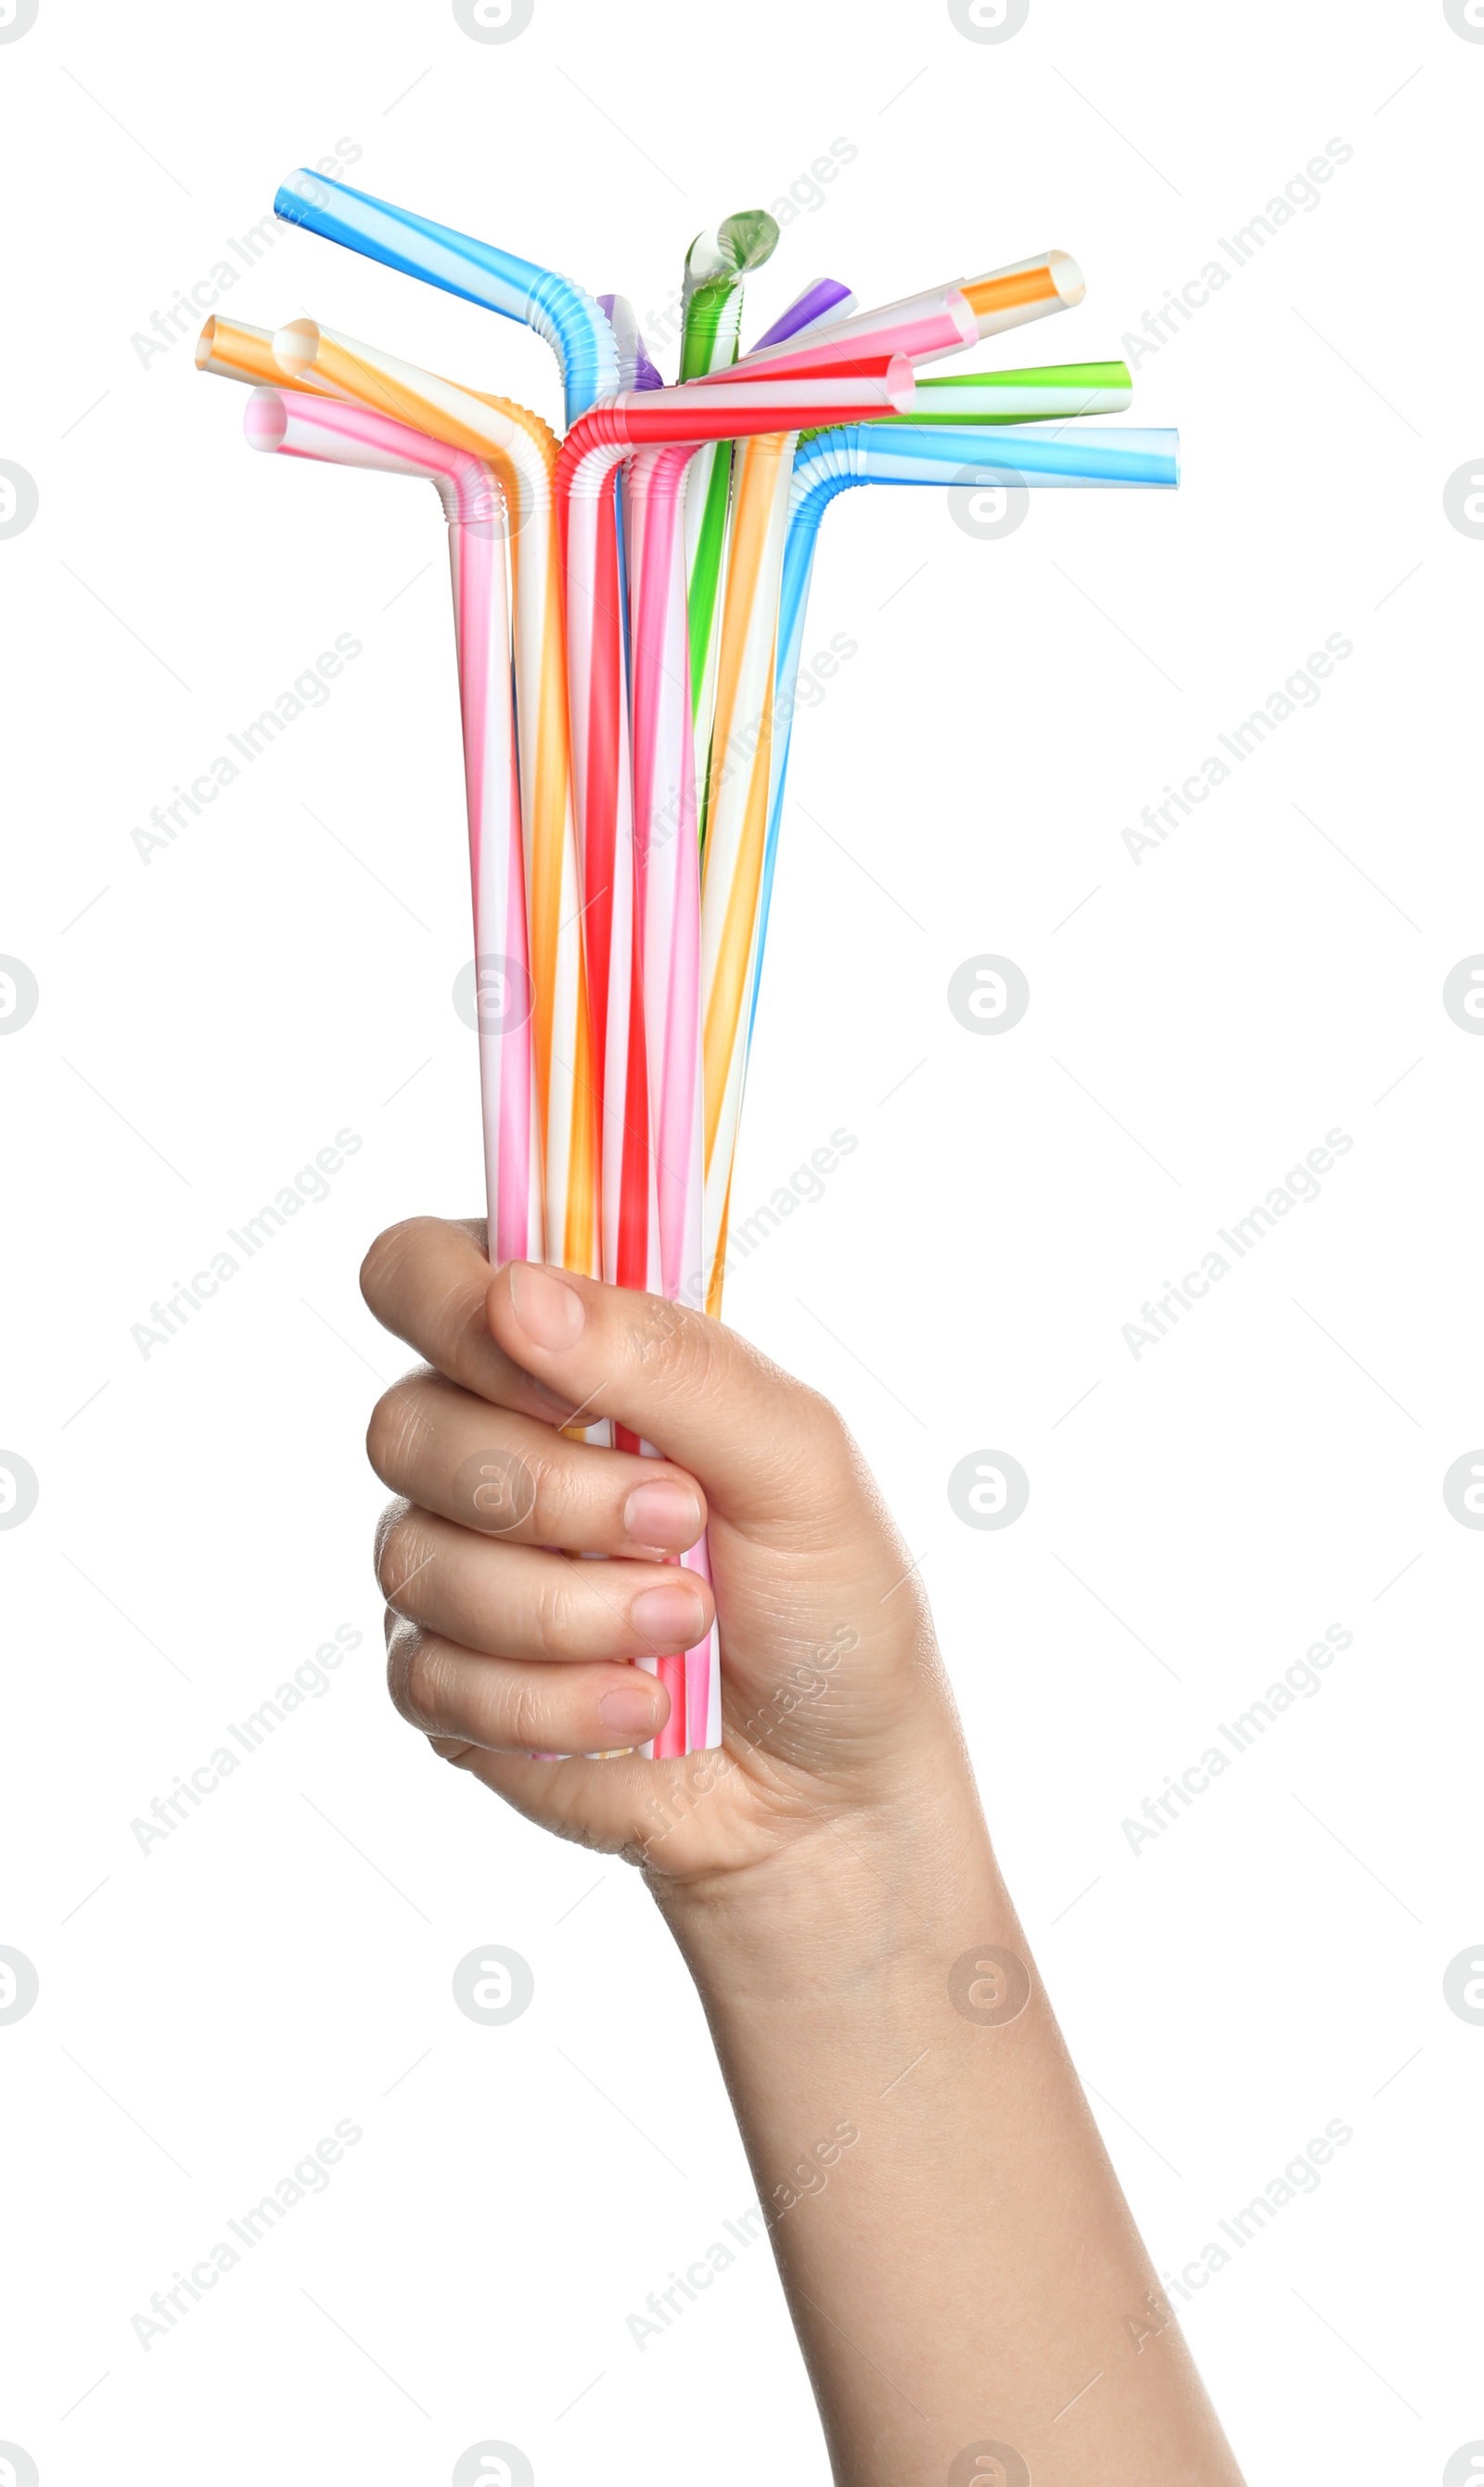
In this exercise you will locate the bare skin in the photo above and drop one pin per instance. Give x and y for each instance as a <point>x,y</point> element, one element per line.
<point>972,2297</point>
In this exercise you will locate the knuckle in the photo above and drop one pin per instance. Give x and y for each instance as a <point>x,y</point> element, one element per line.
<point>394,1428</point>
<point>379,1438</point>
<point>563,1614</point>
<point>656,1323</point>
<point>461,1331</point>
<point>498,1493</point>
<point>835,1460</point>
<point>815,1447</point>
<point>386,1521</point>
<point>527,1722</point>
<point>416,1679</point>
<point>455,1751</point>
<point>387,1257</point>
<point>807,1419</point>
<point>831,1438</point>
<point>671,1343</point>
<point>401,1639</point>
<point>409,1269</point>
<point>397,1548</point>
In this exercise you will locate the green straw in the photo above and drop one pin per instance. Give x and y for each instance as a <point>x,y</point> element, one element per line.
<point>1059,389</point>
<point>1047,393</point>
<point>716,266</point>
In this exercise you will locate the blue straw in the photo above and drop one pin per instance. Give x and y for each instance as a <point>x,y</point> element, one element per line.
<point>570,319</point>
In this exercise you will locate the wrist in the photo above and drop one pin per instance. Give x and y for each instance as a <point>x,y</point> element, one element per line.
<point>870,1893</point>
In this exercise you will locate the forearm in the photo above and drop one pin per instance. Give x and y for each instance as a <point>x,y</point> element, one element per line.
<point>961,2265</point>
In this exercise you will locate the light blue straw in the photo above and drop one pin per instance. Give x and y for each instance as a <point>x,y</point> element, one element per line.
<point>830,462</point>
<point>570,319</point>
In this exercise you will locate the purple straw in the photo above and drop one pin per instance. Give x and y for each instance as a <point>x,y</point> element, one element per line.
<point>826,293</point>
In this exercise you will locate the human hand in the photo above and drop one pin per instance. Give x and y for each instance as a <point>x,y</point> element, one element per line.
<point>500,1649</point>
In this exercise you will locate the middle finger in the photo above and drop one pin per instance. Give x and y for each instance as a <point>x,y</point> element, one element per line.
<point>511,1477</point>
<point>517,1601</point>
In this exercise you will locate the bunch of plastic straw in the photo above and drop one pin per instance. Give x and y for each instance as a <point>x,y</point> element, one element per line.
<point>628,609</point>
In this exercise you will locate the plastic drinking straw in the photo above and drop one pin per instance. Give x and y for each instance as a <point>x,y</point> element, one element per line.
<point>665,816</point>
<point>734,796</point>
<point>737,806</point>
<point>666,939</point>
<point>583,342</point>
<point>925,326</point>
<point>565,1101</point>
<point>825,299</point>
<point>1070,389</point>
<point>717,264</point>
<point>883,453</point>
<point>232,350</point>
<point>580,334</point>
<point>741,764</point>
<point>636,371</point>
<point>300,424</point>
<point>558,310</point>
<point>562,1042</point>
<point>666,850</point>
<point>524,453</point>
<point>336,362</point>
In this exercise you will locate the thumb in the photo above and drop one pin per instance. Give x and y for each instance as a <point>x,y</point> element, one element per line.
<point>769,1450</point>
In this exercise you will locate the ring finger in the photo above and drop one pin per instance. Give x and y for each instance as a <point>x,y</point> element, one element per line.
<point>505,1706</point>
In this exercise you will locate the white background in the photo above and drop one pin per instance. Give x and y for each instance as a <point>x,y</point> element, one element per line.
<point>209,1019</point>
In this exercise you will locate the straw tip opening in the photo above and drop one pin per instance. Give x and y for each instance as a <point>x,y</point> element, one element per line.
<point>1067,277</point>
<point>901,384</point>
<point>749,239</point>
<point>726,252</point>
<point>295,347</point>
<point>295,193</point>
<point>265,420</point>
<point>206,343</point>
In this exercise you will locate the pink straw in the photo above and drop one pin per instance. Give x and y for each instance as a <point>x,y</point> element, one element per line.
<point>925,326</point>
<point>667,849</point>
<point>332,433</point>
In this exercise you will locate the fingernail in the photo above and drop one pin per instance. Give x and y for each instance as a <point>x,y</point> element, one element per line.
<point>669,1619</point>
<point>663,1514</point>
<point>630,1716</point>
<point>549,1310</point>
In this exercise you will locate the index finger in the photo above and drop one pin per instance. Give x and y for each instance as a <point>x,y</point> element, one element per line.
<point>426,1281</point>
